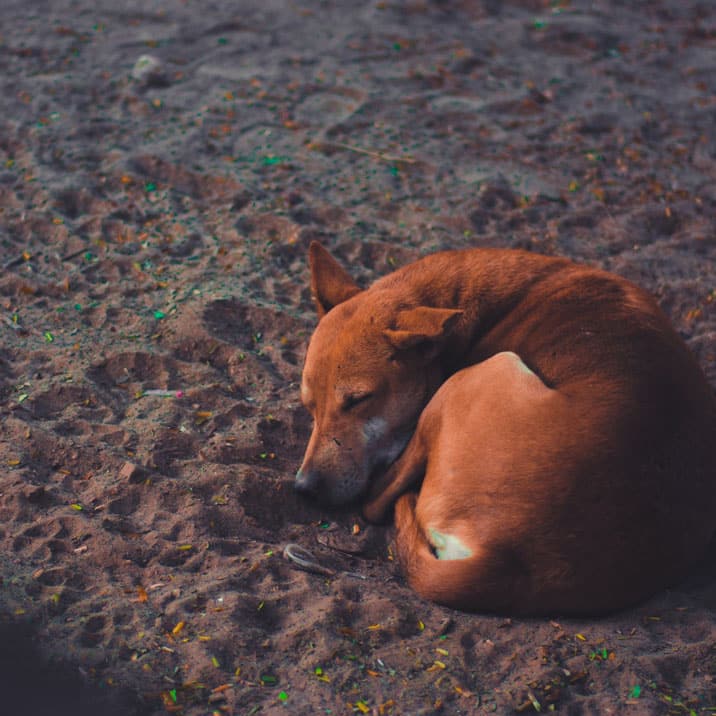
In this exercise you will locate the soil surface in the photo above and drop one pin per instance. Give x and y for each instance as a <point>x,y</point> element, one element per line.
<point>163,167</point>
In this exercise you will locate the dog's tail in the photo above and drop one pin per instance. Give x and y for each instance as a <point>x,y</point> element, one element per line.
<point>487,580</point>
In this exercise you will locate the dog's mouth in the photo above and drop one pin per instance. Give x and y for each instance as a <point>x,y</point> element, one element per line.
<point>380,468</point>
<point>344,500</point>
<point>356,484</point>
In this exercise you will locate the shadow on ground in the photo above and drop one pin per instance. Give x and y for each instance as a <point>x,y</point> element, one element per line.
<point>34,685</point>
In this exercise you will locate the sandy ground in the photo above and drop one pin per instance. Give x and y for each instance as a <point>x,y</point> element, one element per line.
<point>154,220</point>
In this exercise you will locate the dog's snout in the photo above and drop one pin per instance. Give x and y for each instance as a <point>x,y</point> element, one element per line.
<point>307,482</point>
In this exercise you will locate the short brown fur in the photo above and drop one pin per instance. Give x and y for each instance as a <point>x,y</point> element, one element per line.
<point>545,414</point>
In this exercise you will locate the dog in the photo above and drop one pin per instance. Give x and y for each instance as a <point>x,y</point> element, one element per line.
<point>545,439</point>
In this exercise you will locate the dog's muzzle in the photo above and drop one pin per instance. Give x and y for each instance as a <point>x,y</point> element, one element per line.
<point>307,483</point>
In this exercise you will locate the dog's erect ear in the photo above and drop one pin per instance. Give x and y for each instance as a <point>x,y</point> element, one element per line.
<point>330,282</point>
<point>421,325</point>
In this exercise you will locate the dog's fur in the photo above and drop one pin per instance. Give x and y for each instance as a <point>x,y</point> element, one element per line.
<point>548,438</point>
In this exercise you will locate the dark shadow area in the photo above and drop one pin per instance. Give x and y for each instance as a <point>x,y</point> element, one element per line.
<point>33,685</point>
<point>702,576</point>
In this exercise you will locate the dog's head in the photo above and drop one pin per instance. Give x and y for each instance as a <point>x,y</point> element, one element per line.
<point>370,370</point>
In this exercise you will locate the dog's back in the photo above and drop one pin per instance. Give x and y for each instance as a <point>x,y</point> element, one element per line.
<point>609,492</point>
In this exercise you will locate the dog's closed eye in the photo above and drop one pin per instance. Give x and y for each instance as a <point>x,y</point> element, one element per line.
<point>354,399</point>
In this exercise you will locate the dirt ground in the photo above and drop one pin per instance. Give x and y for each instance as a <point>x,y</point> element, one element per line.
<point>163,167</point>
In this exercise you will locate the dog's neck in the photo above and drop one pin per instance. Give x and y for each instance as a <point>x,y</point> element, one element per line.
<point>448,280</point>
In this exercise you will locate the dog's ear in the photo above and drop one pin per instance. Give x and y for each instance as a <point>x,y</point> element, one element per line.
<point>330,282</point>
<point>421,325</point>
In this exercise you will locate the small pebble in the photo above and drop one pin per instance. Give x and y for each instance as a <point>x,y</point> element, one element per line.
<point>149,72</point>
<point>132,473</point>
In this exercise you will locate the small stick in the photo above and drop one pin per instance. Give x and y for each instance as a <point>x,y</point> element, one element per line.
<point>164,393</point>
<point>74,254</point>
<point>368,152</point>
<point>303,559</point>
<point>12,324</point>
<point>13,262</point>
<point>376,155</point>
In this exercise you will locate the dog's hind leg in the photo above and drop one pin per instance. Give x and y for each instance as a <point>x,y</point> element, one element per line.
<point>407,471</point>
<point>487,579</point>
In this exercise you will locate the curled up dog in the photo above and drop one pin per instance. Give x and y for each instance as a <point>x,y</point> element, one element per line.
<point>541,434</point>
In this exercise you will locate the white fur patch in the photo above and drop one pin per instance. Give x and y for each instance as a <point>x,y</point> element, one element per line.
<point>448,546</point>
<point>520,363</point>
<point>381,447</point>
<point>374,430</point>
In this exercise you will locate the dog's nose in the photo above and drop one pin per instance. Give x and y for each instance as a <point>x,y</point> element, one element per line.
<point>306,482</point>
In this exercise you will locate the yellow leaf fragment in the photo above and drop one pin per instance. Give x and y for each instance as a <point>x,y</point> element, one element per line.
<point>436,665</point>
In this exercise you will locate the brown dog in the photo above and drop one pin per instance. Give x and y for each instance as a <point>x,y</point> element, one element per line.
<point>549,439</point>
